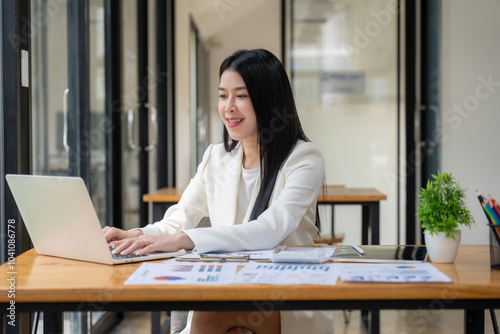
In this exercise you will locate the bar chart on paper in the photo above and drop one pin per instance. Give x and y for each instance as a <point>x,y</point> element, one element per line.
<point>211,273</point>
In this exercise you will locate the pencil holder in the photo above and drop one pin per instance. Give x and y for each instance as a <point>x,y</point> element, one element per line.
<point>494,246</point>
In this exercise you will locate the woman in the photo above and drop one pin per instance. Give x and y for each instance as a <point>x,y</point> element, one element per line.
<point>259,188</point>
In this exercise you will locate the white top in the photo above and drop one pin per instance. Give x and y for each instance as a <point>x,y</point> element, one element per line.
<point>247,193</point>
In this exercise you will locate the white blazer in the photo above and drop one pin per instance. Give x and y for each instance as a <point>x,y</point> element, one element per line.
<point>213,192</point>
<point>289,220</point>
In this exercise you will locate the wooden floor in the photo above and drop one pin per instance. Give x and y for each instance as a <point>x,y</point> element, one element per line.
<point>401,322</point>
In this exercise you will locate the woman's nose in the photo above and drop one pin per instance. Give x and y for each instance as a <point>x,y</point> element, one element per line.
<point>230,105</point>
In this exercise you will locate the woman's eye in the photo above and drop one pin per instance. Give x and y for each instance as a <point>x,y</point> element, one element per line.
<point>242,96</point>
<point>222,96</point>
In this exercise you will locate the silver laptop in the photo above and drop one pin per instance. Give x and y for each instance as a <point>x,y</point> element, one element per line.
<point>61,219</point>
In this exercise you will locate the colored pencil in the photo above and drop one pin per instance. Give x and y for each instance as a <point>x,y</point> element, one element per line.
<point>481,201</point>
<point>495,227</point>
<point>495,206</point>
<point>492,214</point>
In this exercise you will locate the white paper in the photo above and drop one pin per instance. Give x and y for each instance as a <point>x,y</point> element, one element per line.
<point>181,273</point>
<point>325,250</point>
<point>275,273</point>
<point>391,273</point>
<point>303,255</point>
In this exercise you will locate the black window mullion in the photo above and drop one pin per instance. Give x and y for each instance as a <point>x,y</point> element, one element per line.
<point>429,89</point>
<point>9,130</point>
<point>15,139</point>
<point>410,105</point>
<point>14,121</point>
<point>143,96</point>
<point>171,140</point>
<point>163,91</point>
<point>113,62</point>
<point>78,84</point>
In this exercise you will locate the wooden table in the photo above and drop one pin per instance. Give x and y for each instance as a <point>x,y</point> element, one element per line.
<point>369,200</point>
<point>162,199</point>
<point>332,195</point>
<point>50,284</point>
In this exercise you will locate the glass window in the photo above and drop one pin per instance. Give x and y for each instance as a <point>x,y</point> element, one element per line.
<point>344,76</point>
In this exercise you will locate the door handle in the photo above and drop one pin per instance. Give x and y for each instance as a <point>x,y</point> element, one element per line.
<point>154,127</point>
<point>130,127</point>
<point>65,120</point>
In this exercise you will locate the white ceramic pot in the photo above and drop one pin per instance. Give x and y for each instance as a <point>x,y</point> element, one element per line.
<point>440,248</point>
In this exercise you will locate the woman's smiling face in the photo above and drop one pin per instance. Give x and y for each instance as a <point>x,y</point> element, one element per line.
<point>236,108</point>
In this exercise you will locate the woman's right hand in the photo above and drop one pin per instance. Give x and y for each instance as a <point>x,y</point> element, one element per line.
<point>115,236</point>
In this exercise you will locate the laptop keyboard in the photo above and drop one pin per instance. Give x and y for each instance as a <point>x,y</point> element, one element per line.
<point>121,257</point>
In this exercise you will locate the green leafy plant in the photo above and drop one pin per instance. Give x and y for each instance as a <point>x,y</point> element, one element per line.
<point>442,206</point>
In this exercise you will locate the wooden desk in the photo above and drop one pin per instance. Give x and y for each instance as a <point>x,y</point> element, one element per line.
<point>368,198</point>
<point>52,284</point>
<point>162,199</point>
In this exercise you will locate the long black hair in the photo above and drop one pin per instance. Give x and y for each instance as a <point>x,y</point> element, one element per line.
<point>278,123</point>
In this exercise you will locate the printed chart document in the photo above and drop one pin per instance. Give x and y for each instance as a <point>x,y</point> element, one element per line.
<point>275,273</point>
<point>182,273</point>
<point>391,273</point>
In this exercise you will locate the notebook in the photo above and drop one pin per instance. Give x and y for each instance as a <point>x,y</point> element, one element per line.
<point>61,219</point>
<point>381,254</point>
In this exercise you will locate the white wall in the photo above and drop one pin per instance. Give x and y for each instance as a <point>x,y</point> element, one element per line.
<point>470,108</point>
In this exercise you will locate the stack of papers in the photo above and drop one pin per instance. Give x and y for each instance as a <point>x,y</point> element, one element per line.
<point>180,273</point>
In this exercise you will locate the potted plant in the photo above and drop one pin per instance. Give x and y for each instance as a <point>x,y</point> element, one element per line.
<point>441,211</point>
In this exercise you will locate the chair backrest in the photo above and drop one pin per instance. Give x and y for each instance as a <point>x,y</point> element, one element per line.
<point>204,222</point>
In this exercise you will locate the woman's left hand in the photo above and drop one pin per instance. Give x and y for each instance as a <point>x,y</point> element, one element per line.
<point>146,244</point>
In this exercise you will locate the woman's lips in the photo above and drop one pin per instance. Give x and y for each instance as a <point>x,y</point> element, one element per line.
<point>232,122</point>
